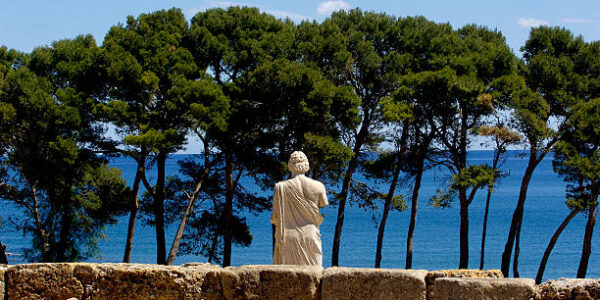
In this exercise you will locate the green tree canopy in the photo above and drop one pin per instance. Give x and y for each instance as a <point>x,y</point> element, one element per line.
<point>67,192</point>
<point>554,77</point>
<point>157,93</point>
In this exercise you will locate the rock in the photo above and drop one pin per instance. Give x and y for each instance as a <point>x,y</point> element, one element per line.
<point>458,273</point>
<point>197,264</point>
<point>43,281</point>
<point>271,282</point>
<point>2,272</point>
<point>484,289</point>
<point>355,283</point>
<point>112,281</point>
<point>570,289</point>
<point>138,281</point>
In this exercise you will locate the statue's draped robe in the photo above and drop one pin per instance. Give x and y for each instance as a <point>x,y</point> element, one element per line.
<point>296,217</point>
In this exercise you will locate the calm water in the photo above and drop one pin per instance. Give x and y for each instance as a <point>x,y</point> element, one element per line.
<point>436,244</point>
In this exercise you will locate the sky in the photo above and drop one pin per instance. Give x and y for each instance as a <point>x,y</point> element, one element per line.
<point>26,24</point>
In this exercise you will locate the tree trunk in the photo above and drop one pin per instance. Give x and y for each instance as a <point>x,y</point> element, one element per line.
<point>179,233</point>
<point>386,210</point>
<point>464,229</point>
<point>517,217</point>
<point>64,242</point>
<point>186,216</point>
<point>498,153</point>
<point>413,215</point>
<point>42,235</point>
<point>159,210</point>
<point>485,219</point>
<point>461,164</point>
<point>212,252</point>
<point>587,243</point>
<point>133,212</point>
<point>3,259</point>
<point>228,217</point>
<point>341,207</point>
<point>517,251</point>
<point>559,230</point>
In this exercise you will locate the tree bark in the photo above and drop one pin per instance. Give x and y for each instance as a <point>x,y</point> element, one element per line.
<point>159,210</point>
<point>517,251</point>
<point>133,212</point>
<point>386,209</point>
<point>413,215</point>
<point>45,247</point>
<point>517,217</point>
<point>559,230</point>
<point>587,243</point>
<point>64,242</point>
<point>484,230</point>
<point>3,259</point>
<point>464,229</point>
<point>342,206</point>
<point>212,252</point>
<point>186,216</point>
<point>461,164</point>
<point>498,153</point>
<point>228,212</point>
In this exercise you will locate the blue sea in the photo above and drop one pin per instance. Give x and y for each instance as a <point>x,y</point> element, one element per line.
<point>436,241</point>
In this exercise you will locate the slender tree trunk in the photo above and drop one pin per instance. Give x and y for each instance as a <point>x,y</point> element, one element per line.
<point>228,209</point>
<point>179,233</point>
<point>485,219</point>
<point>133,212</point>
<point>517,217</point>
<point>559,230</point>
<point>43,236</point>
<point>386,210</point>
<point>64,242</point>
<point>213,248</point>
<point>159,210</point>
<point>461,164</point>
<point>497,155</point>
<point>186,216</point>
<point>3,259</point>
<point>464,230</point>
<point>413,215</point>
<point>517,251</point>
<point>342,206</point>
<point>587,243</point>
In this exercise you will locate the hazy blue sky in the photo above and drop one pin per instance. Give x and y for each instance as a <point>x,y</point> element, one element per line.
<point>26,24</point>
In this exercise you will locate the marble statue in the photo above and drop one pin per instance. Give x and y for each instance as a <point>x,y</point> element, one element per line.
<point>296,216</point>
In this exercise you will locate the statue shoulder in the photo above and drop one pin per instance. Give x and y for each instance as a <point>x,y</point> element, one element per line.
<point>279,184</point>
<point>316,184</point>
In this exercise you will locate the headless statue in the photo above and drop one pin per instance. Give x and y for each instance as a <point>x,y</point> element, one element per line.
<point>296,216</point>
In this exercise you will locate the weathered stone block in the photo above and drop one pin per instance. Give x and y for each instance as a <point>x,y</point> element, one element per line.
<point>43,281</point>
<point>2,272</point>
<point>355,283</point>
<point>484,289</point>
<point>570,289</point>
<point>458,273</point>
<point>112,281</point>
<point>137,281</point>
<point>271,282</point>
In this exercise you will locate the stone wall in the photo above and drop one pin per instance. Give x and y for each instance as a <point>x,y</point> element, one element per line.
<point>204,281</point>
